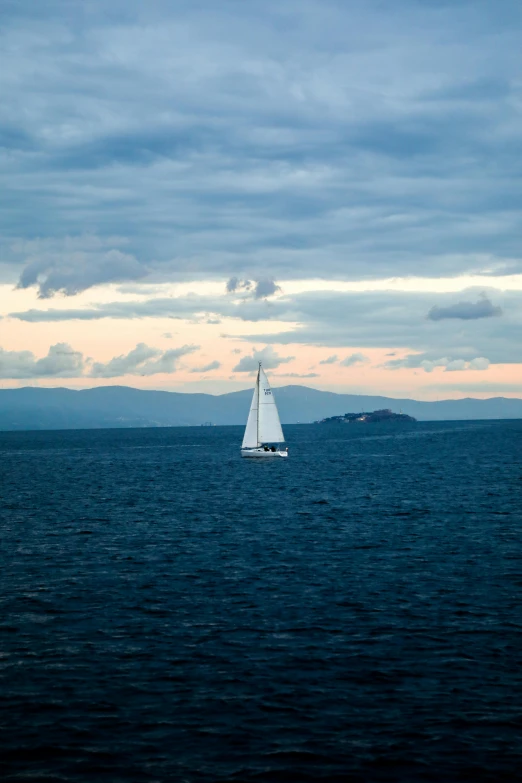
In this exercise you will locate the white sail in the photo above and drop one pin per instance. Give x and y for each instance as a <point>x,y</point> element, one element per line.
<point>269,427</point>
<point>250,440</point>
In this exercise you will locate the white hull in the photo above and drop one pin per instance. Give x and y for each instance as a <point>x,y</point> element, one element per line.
<point>262,453</point>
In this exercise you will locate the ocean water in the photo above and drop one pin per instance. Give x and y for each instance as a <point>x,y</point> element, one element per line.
<point>169,611</point>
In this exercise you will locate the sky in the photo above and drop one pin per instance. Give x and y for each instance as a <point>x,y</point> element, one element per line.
<point>332,188</point>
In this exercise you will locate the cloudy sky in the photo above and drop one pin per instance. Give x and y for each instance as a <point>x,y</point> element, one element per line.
<point>332,187</point>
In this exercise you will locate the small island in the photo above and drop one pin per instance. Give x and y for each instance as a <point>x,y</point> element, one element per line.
<point>367,418</point>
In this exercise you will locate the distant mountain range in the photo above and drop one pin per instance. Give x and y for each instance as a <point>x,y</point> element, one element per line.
<point>32,408</point>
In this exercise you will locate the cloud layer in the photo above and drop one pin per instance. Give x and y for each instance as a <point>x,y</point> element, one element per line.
<point>390,320</point>
<point>253,146</point>
<point>183,141</point>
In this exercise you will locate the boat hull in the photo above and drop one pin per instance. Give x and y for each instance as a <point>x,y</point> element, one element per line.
<point>262,454</point>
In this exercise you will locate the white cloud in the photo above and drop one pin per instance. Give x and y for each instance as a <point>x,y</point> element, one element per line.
<point>142,360</point>
<point>269,358</point>
<point>62,361</point>
<point>215,365</point>
<point>353,359</point>
<point>456,365</point>
<point>480,363</point>
<point>449,364</point>
<point>329,359</point>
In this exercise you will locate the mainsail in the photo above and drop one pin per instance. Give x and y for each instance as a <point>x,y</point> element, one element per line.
<point>263,425</point>
<point>269,428</point>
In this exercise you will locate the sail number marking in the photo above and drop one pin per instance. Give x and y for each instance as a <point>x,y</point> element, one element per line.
<point>268,391</point>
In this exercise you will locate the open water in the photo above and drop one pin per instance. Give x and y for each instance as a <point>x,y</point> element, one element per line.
<point>169,611</point>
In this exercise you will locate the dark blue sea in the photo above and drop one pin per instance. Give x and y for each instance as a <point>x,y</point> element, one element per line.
<point>170,612</point>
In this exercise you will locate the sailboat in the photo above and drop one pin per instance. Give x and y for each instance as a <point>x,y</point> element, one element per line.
<point>263,429</point>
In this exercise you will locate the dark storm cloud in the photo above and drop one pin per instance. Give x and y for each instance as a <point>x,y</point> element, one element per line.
<point>209,140</point>
<point>466,311</point>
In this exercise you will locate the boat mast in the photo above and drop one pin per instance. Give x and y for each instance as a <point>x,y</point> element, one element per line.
<point>258,401</point>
